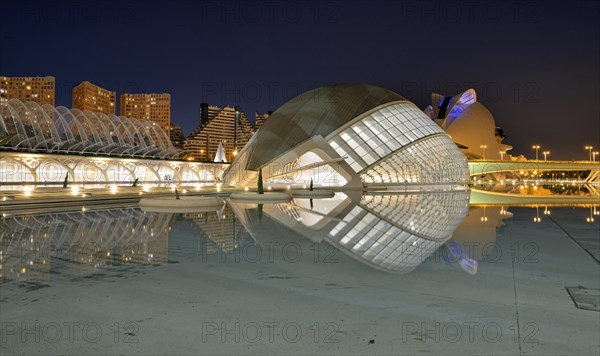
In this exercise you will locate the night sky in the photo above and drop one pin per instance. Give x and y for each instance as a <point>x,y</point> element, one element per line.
<point>534,64</point>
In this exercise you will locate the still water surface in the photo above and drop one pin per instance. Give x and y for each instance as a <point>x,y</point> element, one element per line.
<point>422,273</point>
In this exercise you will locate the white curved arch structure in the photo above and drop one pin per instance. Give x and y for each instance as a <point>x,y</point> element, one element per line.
<point>44,129</point>
<point>92,148</point>
<point>23,168</point>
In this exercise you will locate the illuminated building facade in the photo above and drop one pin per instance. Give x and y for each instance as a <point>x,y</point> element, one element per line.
<point>40,90</point>
<point>227,126</point>
<point>87,96</point>
<point>470,124</point>
<point>260,119</point>
<point>350,135</point>
<point>176,136</point>
<point>153,107</point>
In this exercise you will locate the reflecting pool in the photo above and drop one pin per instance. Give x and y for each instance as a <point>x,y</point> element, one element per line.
<point>374,273</point>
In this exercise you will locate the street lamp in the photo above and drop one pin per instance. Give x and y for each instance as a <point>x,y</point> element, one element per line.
<point>594,156</point>
<point>589,148</point>
<point>536,148</point>
<point>546,210</point>
<point>483,147</point>
<point>545,153</point>
<point>590,219</point>
<point>537,218</point>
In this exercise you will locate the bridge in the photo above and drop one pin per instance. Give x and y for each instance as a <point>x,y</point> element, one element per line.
<point>482,167</point>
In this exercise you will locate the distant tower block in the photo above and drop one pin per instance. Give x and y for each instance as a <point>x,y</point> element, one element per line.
<point>227,126</point>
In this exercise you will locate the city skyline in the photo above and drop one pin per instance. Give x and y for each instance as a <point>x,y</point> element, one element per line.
<point>258,57</point>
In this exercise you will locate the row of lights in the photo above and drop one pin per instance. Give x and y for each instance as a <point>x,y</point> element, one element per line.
<point>545,153</point>
<point>592,157</point>
<point>547,212</point>
<point>592,154</point>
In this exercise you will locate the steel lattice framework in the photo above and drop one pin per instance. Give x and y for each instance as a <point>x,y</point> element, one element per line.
<point>45,129</point>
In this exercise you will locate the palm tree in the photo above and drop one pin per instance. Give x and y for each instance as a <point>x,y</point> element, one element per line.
<point>260,182</point>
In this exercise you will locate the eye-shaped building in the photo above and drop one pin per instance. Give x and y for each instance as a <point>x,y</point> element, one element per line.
<point>350,135</point>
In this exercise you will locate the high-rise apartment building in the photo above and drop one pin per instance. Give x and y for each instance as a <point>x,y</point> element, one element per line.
<point>176,136</point>
<point>218,126</point>
<point>154,107</point>
<point>37,89</point>
<point>87,96</point>
<point>259,119</point>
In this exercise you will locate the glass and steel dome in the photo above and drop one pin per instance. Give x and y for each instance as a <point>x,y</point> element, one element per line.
<point>319,111</point>
<point>350,135</point>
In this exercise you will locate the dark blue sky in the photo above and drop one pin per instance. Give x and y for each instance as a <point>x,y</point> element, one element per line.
<point>534,64</point>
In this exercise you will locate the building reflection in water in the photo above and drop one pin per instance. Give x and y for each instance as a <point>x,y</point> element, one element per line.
<point>221,228</point>
<point>393,232</point>
<point>29,244</point>
<point>475,236</point>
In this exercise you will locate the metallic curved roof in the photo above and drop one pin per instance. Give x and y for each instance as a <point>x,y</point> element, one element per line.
<point>317,112</point>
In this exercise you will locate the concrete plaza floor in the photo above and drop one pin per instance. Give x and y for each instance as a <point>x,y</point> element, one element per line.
<point>322,303</point>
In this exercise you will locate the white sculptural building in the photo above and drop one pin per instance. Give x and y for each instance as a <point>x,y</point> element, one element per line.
<point>469,123</point>
<point>47,143</point>
<point>350,135</point>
